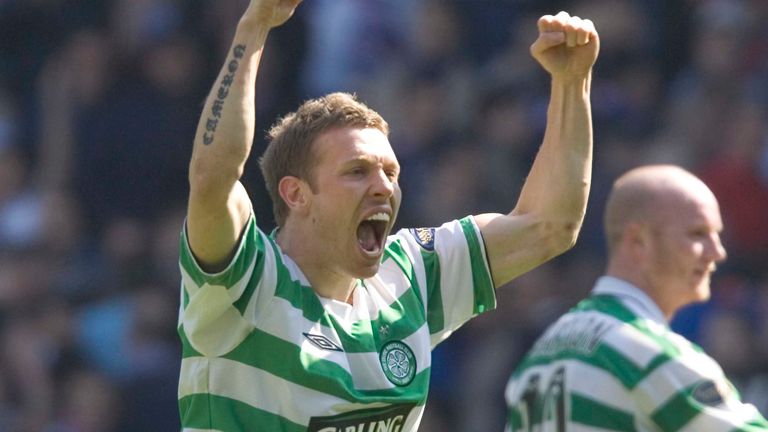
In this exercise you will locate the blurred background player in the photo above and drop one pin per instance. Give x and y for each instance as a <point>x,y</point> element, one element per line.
<point>612,362</point>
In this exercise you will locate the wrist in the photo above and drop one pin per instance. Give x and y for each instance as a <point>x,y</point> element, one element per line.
<point>253,28</point>
<point>572,82</point>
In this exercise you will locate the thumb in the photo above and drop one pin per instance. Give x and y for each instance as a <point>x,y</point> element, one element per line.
<point>547,40</point>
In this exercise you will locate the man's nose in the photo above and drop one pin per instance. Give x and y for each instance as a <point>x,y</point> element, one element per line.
<point>383,185</point>
<point>717,250</point>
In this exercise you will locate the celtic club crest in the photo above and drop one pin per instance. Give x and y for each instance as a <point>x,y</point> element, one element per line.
<point>398,363</point>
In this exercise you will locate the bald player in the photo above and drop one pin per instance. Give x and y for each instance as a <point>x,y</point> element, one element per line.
<point>612,362</point>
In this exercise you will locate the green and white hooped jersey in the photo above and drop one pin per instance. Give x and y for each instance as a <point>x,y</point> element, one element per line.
<point>613,364</point>
<point>263,352</point>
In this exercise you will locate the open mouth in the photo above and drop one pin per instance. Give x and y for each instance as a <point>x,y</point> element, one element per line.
<point>370,233</point>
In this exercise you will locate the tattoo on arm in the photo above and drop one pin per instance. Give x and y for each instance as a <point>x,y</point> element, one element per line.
<point>218,104</point>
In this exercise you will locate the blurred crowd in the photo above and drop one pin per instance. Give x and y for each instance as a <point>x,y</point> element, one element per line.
<point>99,101</point>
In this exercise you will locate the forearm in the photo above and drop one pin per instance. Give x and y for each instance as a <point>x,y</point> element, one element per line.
<point>226,128</point>
<point>219,206</point>
<point>548,215</point>
<point>557,186</point>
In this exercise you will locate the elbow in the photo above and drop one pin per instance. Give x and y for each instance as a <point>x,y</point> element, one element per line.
<point>208,178</point>
<point>560,236</point>
<point>569,236</point>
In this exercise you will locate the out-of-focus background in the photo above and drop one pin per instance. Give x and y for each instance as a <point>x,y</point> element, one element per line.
<point>99,102</point>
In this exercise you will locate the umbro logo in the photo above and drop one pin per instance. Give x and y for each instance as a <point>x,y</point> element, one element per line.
<point>322,342</point>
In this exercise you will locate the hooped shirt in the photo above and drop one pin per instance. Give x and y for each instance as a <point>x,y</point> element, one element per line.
<point>613,363</point>
<point>263,352</point>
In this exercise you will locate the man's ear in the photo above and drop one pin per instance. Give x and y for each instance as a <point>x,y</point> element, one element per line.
<point>637,239</point>
<point>295,193</point>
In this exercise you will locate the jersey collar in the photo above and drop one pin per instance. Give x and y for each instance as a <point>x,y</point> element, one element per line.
<point>631,296</point>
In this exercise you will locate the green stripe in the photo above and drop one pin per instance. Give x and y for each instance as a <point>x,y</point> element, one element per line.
<point>604,357</point>
<point>678,410</point>
<point>485,296</point>
<point>619,366</point>
<point>683,407</point>
<point>612,306</point>
<point>514,418</point>
<point>186,347</point>
<point>435,316</point>
<point>184,296</point>
<point>399,321</point>
<point>206,411</point>
<point>250,288</point>
<point>758,424</point>
<point>590,412</point>
<point>364,335</point>
<point>396,253</point>
<point>608,305</point>
<point>299,296</point>
<point>287,361</point>
<point>244,256</point>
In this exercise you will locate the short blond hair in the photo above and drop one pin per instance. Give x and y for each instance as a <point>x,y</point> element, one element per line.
<point>647,194</point>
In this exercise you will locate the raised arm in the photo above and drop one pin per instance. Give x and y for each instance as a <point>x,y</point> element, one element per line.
<point>219,207</point>
<point>549,212</point>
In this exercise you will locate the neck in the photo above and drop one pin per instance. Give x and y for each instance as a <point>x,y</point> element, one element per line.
<point>325,280</point>
<point>630,273</point>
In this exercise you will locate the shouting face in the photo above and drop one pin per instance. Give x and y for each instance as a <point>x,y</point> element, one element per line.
<point>355,198</point>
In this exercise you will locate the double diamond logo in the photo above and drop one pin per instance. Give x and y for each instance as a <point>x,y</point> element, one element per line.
<point>322,342</point>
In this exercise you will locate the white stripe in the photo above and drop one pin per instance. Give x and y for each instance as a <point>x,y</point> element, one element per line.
<point>413,254</point>
<point>455,275</point>
<point>581,331</point>
<point>582,379</point>
<point>293,269</point>
<point>387,286</point>
<point>633,344</point>
<point>578,427</point>
<point>284,321</point>
<point>421,350</point>
<point>261,389</point>
<point>366,369</point>
<point>180,320</point>
<point>675,375</point>
<point>199,430</point>
<point>193,377</point>
<point>211,322</point>
<point>716,419</point>
<point>598,385</point>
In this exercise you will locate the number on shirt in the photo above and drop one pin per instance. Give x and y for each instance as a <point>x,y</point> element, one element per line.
<point>537,407</point>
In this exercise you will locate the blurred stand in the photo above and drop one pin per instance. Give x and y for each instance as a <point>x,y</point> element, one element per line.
<point>99,101</point>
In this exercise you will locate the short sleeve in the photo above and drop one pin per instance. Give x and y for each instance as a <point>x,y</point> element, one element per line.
<point>217,308</point>
<point>452,264</point>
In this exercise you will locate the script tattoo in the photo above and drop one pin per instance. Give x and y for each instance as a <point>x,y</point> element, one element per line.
<point>218,104</point>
